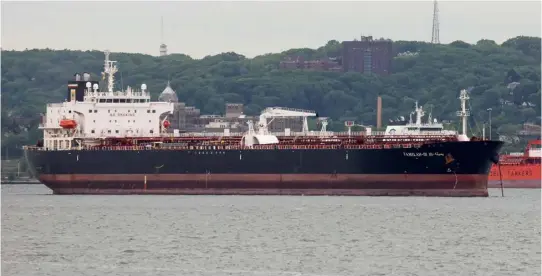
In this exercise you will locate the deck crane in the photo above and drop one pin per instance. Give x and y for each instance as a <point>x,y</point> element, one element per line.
<point>284,112</point>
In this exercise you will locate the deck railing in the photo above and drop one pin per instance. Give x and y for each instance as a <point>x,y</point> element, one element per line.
<point>233,147</point>
<point>369,142</point>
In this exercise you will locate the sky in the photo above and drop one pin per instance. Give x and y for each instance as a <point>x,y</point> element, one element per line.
<point>201,28</point>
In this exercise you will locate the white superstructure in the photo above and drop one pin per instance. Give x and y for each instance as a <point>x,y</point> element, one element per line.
<point>534,151</point>
<point>101,114</point>
<point>432,127</point>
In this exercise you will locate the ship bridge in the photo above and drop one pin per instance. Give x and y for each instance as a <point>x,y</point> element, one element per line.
<point>89,113</point>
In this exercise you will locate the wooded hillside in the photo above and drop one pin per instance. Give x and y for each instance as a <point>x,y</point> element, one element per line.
<point>434,75</point>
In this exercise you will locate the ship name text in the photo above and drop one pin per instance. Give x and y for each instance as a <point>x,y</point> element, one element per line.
<point>121,114</point>
<point>513,172</point>
<point>422,154</point>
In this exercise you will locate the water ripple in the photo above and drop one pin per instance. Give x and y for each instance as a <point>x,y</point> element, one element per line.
<point>282,236</point>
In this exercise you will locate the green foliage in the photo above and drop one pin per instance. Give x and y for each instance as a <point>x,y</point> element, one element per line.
<point>434,76</point>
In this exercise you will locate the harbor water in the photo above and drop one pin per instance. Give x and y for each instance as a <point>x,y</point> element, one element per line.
<point>45,234</point>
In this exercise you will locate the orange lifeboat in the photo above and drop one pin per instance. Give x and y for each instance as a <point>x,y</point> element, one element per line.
<point>67,123</point>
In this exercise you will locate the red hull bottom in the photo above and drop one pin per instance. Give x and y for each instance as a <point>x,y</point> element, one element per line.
<point>517,184</point>
<point>448,185</point>
<point>291,192</point>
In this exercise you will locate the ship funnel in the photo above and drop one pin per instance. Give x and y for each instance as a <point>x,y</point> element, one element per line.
<point>86,76</point>
<point>77,77</point>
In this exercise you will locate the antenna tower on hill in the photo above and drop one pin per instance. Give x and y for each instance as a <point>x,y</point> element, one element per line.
<point>435,36</point>
<point>163,46</point>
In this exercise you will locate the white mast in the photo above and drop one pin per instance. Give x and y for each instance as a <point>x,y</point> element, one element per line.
<point>110,69</point>
<point>464,113</point>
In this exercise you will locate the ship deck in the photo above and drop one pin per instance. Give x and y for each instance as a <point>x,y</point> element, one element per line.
<point>235,143</point>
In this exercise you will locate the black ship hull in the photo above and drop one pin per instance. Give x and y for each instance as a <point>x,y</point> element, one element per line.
<point>437,169</point>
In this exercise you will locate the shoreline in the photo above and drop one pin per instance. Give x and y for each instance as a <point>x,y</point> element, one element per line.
<point>20,182</point>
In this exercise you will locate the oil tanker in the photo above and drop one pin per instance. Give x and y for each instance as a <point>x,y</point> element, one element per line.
<point>117,142</point>
<point>518,170</point>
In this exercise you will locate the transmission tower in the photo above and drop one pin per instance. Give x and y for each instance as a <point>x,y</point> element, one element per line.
<point>435,36</point>
<point>163,46</point>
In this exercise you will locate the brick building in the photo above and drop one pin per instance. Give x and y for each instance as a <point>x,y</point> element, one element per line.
<point>367,56</point>
<point>234,110</point>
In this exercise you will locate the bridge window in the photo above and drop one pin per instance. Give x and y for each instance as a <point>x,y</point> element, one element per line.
<point>90,111</point>
<point>122,100</point>
<point>430,129</point>
<point>95,111</point>
<point>115,100</point>
<point>154,111</point>
<point>109,101</point>
<point>148,111</point>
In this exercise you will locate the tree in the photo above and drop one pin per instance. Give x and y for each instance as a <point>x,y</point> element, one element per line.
<point>433,77</point>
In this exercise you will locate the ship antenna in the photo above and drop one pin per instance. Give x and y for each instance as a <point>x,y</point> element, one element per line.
<point>464,113</point>
<point>109,69</point>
